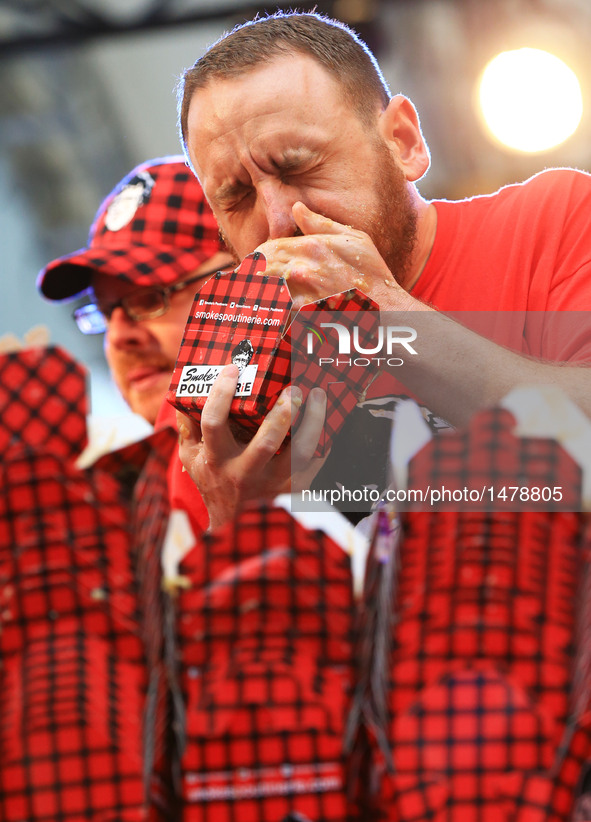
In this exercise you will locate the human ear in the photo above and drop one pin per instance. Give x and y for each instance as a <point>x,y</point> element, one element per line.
<point>399,127</point>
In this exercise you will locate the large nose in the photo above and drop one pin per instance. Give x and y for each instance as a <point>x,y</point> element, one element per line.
<point>276,200</point>
<point>124,332</point>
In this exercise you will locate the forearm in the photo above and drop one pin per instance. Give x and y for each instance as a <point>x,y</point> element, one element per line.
<point>456,372</point>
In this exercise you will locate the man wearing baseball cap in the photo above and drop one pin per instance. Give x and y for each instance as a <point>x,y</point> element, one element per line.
<point>154,241</point>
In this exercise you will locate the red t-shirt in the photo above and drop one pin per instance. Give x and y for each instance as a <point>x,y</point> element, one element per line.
<point>526,248</point>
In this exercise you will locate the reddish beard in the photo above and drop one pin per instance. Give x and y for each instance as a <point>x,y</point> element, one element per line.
<point>393,228</point>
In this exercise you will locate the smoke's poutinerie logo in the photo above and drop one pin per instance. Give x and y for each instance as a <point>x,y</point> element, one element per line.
<point>197,380</point>
<point>386,346</point>
<point>242,354</point>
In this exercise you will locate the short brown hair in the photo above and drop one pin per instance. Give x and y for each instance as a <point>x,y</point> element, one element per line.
<point>333,44</point>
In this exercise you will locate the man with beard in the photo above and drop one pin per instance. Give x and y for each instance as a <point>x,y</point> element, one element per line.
<point>153,243</point>
<point>305,156</point>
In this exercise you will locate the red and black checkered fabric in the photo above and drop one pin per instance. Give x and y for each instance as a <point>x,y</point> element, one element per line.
<point>367,742</point>
<point>581,699</point>
<point>33,414</point>
<point>167,231</point>
<point>503,471</point>
<point>482,667</point>
<point>149,524</point>
<point>127,463</point>
<point>71,732</point>
<point>281,356</point>
<point>343,381</point>
<point>73,675</point>
<point>580,722</point>
<point>264,630</point>
<point>210,340</point>
<point>65,555</point>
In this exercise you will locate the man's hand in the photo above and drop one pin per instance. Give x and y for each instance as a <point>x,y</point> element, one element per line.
<point>331,258</point>
<point>457,372</point>
<point>228,472</point>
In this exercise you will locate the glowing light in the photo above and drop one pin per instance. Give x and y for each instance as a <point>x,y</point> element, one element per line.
<point>530,100</point>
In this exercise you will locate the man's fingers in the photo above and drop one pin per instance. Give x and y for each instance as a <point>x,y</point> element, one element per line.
<point>187,427</point>
<point>312,223</point>
<point>216,432</point>
<point>306,438</point>
<point>298,460</point>
<point>273,430</point>
<point>189,439</point>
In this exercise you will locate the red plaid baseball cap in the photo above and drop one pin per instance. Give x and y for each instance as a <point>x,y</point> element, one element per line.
<point>152,229</point>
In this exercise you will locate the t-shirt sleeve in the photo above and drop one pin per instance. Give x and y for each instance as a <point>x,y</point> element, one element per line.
<point>563,268</point>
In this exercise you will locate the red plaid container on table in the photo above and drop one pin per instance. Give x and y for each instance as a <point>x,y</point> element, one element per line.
<point>265,615</point>
<point>34,414</point>
<point>150,521</point>
<point>244,317</point>
<point>577,742</point>
<point>508,473</point>
<point>483,719</point>
<point>73,676</point>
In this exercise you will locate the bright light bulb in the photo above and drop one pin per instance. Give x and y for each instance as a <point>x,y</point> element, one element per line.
<point>531,101</point>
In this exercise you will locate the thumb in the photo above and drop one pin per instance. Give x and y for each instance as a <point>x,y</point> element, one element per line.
<point>309,222</point>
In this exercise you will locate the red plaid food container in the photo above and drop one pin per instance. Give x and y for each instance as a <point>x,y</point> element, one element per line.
<point>43,402</point>
<point>488,687</point>
<point>265,615</point>
<point>244,317</point>
<point>73,676</point>
<point>484,717</point>
<point>481,673</point>
<point>486,466</point>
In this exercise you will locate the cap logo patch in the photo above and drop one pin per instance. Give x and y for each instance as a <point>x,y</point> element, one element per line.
<point>124,205</point>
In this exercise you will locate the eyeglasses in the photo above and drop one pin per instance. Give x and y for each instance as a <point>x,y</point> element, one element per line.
<point>93,318</point>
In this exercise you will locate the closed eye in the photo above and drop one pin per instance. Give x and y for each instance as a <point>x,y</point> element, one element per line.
<point>240,201</point>
<point>295,161</point>
<point>232,197</point>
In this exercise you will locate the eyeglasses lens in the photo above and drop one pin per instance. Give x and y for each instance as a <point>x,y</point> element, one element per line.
<point>90,320</point>
<point>145,304</point>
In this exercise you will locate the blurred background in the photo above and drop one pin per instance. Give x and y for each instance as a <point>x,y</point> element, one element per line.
<point>87,92</point>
